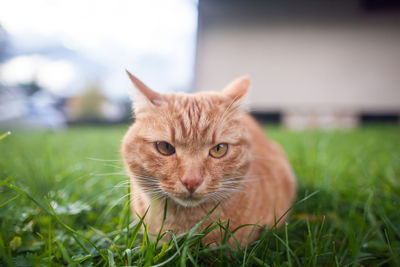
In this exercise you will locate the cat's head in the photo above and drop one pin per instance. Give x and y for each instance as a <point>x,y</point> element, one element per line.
<point>193,148</point>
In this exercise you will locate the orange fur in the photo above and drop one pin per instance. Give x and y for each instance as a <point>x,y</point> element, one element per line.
<point>253,182</point>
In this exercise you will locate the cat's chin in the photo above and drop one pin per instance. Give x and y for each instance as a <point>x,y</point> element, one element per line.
<point>188,202</point>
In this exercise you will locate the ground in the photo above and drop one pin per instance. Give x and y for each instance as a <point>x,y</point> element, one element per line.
<point>63,201</point>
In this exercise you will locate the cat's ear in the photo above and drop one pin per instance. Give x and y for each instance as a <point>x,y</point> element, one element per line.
<point>237,89</point>
<point>144,94</point>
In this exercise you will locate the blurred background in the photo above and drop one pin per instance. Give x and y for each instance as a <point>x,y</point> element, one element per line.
<point>313,64</point>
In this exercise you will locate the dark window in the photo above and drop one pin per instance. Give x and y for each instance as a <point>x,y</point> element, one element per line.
<point>267,117</point>
<point>367,118</point>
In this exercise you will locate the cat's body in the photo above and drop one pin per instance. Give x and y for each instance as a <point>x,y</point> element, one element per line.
<point>252,180</point>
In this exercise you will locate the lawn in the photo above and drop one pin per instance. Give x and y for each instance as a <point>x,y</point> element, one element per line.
<point>63,201</point>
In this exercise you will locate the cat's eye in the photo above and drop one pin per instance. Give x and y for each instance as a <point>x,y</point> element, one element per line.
<point>219,150</point>
<point>164,148</point>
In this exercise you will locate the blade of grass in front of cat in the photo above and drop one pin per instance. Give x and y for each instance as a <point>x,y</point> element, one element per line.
<point>190,233</point>
<point>137,229</point>
<point>159,236</point>
<point>247,243</point>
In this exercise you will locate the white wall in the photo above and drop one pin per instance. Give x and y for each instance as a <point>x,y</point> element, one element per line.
<point>307,69</point>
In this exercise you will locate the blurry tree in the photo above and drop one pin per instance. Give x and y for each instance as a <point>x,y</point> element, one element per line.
<point>88,106</point>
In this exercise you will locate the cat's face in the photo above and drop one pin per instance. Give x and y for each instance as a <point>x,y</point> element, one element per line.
<point>192,148</point>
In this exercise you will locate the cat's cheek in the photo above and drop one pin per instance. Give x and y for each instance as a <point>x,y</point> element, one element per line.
<point>165,168</point>
<point>146,162</point>
<point>235,164</point>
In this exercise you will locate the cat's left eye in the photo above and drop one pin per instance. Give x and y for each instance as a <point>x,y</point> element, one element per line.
<point>219,150</point>
<point>164,148</point>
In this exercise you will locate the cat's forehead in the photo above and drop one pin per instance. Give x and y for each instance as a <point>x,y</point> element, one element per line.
<point>204,100</point>
<point>198,111</point>
<point>199,118</point>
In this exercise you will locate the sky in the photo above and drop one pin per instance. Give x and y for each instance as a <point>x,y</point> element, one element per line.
<point>99,39</point>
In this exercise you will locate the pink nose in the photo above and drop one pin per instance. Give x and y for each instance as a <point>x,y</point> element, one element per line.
<point>191,183</point>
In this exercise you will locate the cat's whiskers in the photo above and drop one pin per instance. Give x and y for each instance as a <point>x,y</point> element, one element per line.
<point>153,195</point>
<point>227,111</point>
<point>151,187</point>
<point>223,193</point>
<point>124,196</point>
<point>239,180</point>
<point>114,166</point>
<point>146,180</point>
<point>106,160</point>
<point>121,186</point>
<point>216,196</point>
<point>232,185</point>
<point>109,174</point>
<point>125,182</point>
<point>152,191</point>
<point>109,164</point>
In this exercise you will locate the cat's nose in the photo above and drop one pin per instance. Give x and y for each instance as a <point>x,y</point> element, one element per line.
<point>192,183</point>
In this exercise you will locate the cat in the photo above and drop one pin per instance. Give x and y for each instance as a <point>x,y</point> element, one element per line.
<point>199,150</point>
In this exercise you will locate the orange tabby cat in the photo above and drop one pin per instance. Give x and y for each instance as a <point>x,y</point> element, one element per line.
<point>199,150</point>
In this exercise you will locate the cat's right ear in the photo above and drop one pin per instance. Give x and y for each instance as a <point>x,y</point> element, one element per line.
<point>144,95</point>
<point>237,89</point>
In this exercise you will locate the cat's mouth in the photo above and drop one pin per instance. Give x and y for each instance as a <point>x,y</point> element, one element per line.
<point>188,201</point>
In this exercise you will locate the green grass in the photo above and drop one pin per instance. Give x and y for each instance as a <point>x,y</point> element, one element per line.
<point>63,202</point>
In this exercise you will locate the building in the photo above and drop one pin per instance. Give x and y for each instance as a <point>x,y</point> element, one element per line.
<point>312,64</point>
